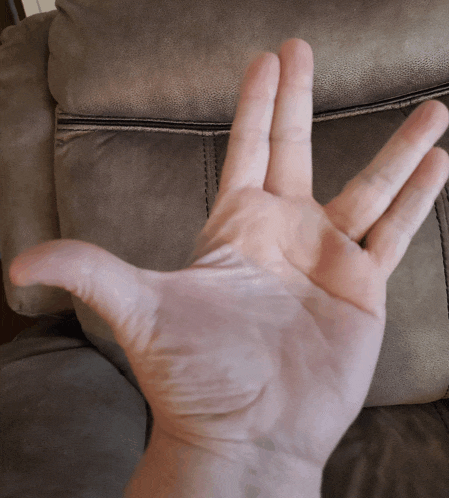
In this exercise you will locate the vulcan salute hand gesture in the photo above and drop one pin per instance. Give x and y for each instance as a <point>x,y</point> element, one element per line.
<point>265,347</point>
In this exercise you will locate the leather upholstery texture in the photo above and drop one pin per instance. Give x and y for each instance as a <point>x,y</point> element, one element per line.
<point>71,425</point>
<point>108,139</point>
<point>114,125</point>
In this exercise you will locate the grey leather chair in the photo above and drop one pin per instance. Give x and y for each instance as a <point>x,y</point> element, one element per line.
<point>114,123</point>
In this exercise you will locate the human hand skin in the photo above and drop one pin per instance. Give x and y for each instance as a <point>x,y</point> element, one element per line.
<point>265,347</point>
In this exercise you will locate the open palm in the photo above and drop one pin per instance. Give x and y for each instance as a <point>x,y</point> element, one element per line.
<point>274,332</point>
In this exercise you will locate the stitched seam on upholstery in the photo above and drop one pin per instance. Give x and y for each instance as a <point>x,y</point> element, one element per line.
<point>445,206</point>
<point>446,394</point>
<point>437,408</point>
<point>205,176</point>
<point>215,161</point>
<point>403,111</point>
<point>443,243</point>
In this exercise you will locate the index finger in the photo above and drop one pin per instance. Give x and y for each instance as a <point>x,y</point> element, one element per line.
<point>248,150</point>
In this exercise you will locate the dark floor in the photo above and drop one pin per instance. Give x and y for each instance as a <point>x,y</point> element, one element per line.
<point>11,323</point>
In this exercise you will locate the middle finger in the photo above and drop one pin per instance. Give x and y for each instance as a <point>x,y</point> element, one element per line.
<point>290,166</point>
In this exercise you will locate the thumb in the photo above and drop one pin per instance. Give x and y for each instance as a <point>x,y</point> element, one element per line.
<point>106,283</point>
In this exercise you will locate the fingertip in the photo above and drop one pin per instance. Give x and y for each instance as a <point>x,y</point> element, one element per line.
<point>443,158</point>
<point>263,73</point>
<point>270,62</point>
<point>18,276</point>
<point>443,154</point>
<point>433,111</point>
<point>299,44</point>
<point>442,109</point>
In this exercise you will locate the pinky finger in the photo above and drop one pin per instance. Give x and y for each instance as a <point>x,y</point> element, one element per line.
<point>388,240</point>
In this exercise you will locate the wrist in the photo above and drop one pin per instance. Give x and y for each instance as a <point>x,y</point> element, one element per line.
<point>173,468</point>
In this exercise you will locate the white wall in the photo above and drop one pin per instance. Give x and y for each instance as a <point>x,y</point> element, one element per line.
<point>32,7</point>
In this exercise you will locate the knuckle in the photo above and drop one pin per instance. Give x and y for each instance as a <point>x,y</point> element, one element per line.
<point>380,181</point>
<point>251,135</point>
<point>340,220</point>
<point>295,134</point>
<point>399,221</point>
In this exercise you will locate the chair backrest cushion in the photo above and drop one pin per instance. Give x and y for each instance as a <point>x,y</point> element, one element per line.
<point>143,95</point>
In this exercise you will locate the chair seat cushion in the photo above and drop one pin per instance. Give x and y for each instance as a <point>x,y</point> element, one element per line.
<point>71,424</point>
<point>392,451</point>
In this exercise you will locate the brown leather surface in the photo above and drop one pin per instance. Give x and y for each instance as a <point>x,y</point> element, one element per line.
<point>82,173</point>
<point>149,210</point>
<point>375,62</point>
<point>156,60</point>
<point>72,425</point>
<point>392,451</point>
<point>11,323</point>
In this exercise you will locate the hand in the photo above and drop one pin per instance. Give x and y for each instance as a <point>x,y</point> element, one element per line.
<point>272,336</point>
